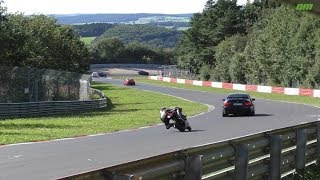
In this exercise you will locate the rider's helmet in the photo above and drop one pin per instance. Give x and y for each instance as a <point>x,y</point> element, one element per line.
<point>163,113</point>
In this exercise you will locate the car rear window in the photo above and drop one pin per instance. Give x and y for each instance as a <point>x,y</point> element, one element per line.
<point>237,96</point>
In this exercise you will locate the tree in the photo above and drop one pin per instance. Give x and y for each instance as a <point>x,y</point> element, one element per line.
<point>237,68</point>
<point>14,39</point>
<point>251,14</point>
<point>4,36</point>
<point>38,41</point>
<point>219,19</point>
<point>3,14</point>
<point>227,63</point>
<point>282,48</point>
<point>108,49</point>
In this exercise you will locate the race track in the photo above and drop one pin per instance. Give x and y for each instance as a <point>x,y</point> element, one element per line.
<point>56,159</point>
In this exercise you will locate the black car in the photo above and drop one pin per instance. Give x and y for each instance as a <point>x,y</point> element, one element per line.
<point>238,103</point>
<point>102,74</point>
<point>141,72</point>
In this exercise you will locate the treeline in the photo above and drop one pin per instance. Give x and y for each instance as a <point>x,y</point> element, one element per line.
<point>38,41</point>
<point>145,34</point>
<point>262,42</point>
<point>113,50</point>
<point>140,44</point>
<point>97,29</point>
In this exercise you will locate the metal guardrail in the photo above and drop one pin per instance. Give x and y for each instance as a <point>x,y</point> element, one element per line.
<point>28,109</point>
<point>267,155</point>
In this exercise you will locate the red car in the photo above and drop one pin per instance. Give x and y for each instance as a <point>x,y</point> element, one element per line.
<point>129,82</point>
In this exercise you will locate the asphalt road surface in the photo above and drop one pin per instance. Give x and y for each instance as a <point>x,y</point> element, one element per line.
<point>56,159</point>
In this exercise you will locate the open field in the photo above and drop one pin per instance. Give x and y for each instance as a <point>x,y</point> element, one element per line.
<point>127,108</point>
<point>281,97</point>
<point>87,40</point>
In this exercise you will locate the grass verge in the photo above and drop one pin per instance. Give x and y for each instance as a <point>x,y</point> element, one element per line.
<point>127,108</point>
<point>280,97</point>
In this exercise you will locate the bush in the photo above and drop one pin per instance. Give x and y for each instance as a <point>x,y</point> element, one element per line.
<point>205,72</point>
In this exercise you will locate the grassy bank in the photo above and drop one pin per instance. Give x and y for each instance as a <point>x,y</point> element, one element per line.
<point>87,40</point>
<point>280,97</point>
<point>127,108</point>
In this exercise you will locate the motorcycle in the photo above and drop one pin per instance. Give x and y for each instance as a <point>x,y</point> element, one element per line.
<point>173,117</point>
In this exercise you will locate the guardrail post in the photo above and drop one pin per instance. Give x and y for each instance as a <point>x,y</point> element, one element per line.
<point>193,168</point>
<point>318,139</point>
<point>275,157</point>
<point>301,150</point>
<point>241,162</point>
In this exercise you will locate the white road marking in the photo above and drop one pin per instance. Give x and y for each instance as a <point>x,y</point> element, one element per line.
<point>304,122</point>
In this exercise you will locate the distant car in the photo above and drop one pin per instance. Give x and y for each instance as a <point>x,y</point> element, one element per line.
<point>95,74</point>
<point>102,74</point>
<point>129,82</point>
<point>238,103</point>
<point>141,72</point>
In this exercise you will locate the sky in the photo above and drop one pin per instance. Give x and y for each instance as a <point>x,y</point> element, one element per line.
<point>105,6</point>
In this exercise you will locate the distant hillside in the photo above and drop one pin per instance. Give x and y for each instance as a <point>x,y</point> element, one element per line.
<point>92,30</point>
<point>141,18</point>
<point>146,34</point>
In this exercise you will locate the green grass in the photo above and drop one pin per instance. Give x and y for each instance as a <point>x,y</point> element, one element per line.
<point>127,108</point>
<point>87,40</point>
<point>298,99</point>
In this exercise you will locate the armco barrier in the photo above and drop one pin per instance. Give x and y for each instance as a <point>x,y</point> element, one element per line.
<point>28,109</point>
<point>244,87</point>
<point>267,155</point>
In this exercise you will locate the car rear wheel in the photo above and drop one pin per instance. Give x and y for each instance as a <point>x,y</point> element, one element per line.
<point>224,114</point>
<point>252,113</point>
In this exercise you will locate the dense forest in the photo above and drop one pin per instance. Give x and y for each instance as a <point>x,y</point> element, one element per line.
<point>113,50</point>
<point>146,34</point>
<point>97,29</point>
<point>92,29</point>
<point>263,42</point>
<point>143,44</point>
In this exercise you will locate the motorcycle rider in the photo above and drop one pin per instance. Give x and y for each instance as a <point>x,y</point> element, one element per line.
<point>163,117</point>
<point>166,121</point>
